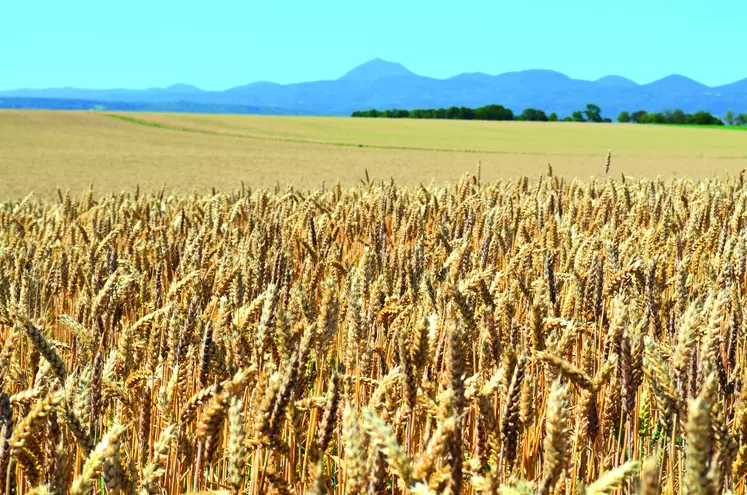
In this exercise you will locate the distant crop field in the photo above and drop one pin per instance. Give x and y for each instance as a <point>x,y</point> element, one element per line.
<point>41,150</point>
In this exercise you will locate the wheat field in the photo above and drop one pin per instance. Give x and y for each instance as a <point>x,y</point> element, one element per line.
<point>515,337</point>
<point>43,150</point>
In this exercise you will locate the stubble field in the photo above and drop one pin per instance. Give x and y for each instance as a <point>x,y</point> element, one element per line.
<point>41,151</point>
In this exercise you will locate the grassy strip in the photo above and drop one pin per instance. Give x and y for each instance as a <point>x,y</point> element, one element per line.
<point>725,127</point>
<point>146,123</point>
<point>695,126</point>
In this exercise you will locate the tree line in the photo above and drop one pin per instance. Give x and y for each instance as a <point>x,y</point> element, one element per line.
<point>592,113</point>
<point>674,117</point>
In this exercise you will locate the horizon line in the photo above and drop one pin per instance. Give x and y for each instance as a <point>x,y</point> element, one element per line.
<point>182,83</point>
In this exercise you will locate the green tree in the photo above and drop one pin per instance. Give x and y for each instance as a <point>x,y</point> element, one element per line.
<point>593,113</point>
<point>452,112</point>
<point>654,118</point>
<point>466,113</point>
<point>678,117</point>
<point>578,116</point>
<point>493,112</point>
<point>703,118</point>
<point>637,117</point>
<point>729,117</point>
<point>624,117</point>
<point>532,114</point>
<point>740,119</point>
<point>553,117</point>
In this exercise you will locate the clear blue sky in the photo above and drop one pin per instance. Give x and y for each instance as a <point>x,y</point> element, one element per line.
<point>218,44</point>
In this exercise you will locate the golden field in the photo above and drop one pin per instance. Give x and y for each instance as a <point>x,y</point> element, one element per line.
<point>429,327</point>
<point>539,337</point>
<point>42,150</point>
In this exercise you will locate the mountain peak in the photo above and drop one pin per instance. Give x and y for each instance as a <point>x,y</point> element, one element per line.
<point>676,82</point>
<point>616,82</point>
<point>376,69</point>
<point>183,88</point>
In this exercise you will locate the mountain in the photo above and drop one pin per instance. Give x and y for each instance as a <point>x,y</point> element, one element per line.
<point>735,87</point>
<point>615,82</point>
<point>177,106</point>
<point>172,93</point>
<point>375,70</point>
<point>382,84</point>
<point>535,78</point>
<point>182,88</point>
<point>676,83</point>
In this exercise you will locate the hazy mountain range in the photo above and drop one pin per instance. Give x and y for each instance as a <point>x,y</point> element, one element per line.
<point>382,85</point>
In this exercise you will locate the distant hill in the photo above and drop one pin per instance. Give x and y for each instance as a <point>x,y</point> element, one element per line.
<point>383,85</point>
<point>676,83</point>
<point>376,69</point>
<point>15,102</point>
<point>735,87</point>
<point>183,88</point>
<point>616,82</point>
